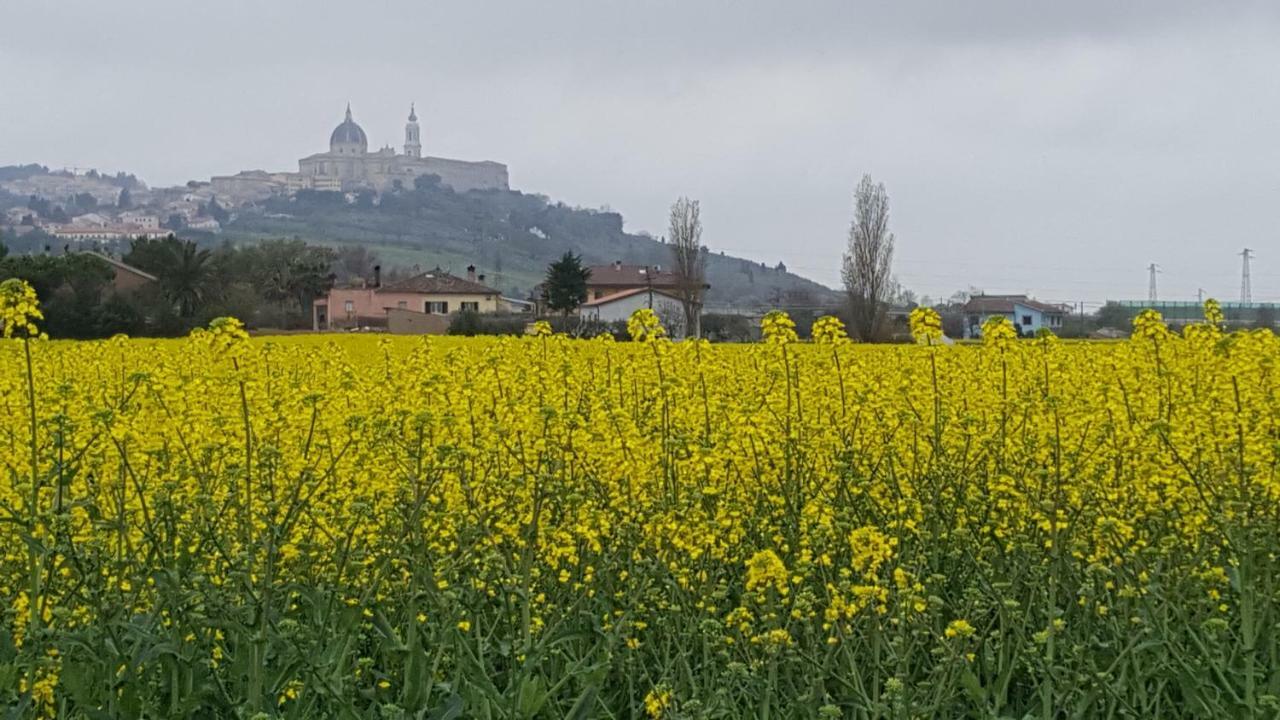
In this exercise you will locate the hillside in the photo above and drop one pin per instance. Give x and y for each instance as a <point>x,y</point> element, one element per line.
<point>510,236</point>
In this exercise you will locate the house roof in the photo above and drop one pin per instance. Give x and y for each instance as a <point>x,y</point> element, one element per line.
<point>614,297</point>
<point>619,275</point>
<point>438,282</point>
<point>1005,303</point>
<point>121,266</point>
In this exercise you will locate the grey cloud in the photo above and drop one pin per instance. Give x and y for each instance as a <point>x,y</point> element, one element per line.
<point>1050,147</point>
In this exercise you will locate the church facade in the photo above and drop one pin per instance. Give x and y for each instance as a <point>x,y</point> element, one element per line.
<point>350,166</point>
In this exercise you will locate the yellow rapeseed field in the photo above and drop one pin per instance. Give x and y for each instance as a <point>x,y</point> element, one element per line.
<point>360,526</point>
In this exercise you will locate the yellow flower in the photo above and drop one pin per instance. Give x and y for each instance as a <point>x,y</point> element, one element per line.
<point>828,330</point>
<point>959,628</point>
<point>657,701</point>
<point>778,328</point>
<point>19,308</point>
<point>766,569</point>
<point>644,325</point>
<point>925,324</point>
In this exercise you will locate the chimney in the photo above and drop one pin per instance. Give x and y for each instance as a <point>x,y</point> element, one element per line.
<point>617,265</point>
<point>471,273</point>
<point>377,276</point>
<point>480,277</point>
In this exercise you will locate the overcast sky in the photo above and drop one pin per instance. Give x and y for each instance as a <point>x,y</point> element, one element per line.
<point>1056,147</point>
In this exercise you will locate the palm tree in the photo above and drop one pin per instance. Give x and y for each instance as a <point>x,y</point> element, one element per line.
<point>187,280</point>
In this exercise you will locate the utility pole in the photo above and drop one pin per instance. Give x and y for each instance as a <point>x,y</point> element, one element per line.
<point>1246,289</point>
<point>1151,288</point>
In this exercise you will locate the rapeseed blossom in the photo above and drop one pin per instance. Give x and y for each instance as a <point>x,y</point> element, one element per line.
<point>343,525</point>
<point>925,324</point>
<point>19,308</point>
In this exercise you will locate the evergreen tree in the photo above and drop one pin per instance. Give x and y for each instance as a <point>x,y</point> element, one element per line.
<point>566,285</point>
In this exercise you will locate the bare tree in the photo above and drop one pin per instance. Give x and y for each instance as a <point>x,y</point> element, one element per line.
<point>689,261</point>
<point>868,261</point>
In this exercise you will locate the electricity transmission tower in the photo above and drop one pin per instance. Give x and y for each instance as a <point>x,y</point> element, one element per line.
<point>1151,288</point>
<point>1246,289</point>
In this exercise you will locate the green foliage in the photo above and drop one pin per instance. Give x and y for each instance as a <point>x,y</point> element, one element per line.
<point>565,287</point>
<point>465,323</point>
<point>727,328</point>
<point>512,236</point>
<point>70,288</point>
<point>1114,316</point>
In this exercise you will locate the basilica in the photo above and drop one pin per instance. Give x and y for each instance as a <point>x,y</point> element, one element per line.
<point>349,165</point>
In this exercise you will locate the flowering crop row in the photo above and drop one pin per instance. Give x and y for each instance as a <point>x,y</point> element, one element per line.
<point>544,527</point>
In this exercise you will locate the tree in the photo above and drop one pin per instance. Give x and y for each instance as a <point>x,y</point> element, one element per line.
<point>1113,316</point>
<point>565,287</point>
<point>355,261</point>
<point>124,200</point>
<point>869,259</point>
<point>1266,317</point>
<point>185,283</point>
<point>689,261</point>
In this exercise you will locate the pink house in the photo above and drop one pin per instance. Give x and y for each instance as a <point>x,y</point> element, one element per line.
<point>434,292</point>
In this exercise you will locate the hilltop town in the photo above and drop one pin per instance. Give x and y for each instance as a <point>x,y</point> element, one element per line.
<point>407,206</point>
<point>79,206</point>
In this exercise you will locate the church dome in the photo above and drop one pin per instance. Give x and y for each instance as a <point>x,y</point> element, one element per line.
<point>348,136</point>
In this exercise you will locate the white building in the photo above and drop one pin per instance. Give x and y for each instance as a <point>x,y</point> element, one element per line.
<point>1027,315</point>
<point>350,165</point>
<point>139,219</point>
<point>620,305</point>
<point>91,220</point>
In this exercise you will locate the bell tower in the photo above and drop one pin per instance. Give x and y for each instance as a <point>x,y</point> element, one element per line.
<point>412,141</point>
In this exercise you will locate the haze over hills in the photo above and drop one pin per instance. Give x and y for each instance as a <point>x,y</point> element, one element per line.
<point>510,235</point>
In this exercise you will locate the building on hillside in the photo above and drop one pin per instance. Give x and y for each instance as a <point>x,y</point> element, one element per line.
<point>247,186</point>
<point>1027,315</point>
<point>146,221</point>
<point>205,224</point>
<point>434,292</point>
<point>72,233</point>
<point>620,305</point>
<point>349,165</point>
<point>616,277</point>
<point>125,277</point>
<point>19,215</point>
<point>91,220</point>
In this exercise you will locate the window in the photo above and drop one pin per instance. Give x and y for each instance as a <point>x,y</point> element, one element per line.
<point>1026,321</point>
<point>436,308</point>
<point>403,304</point>
<point>472,306</point>
<point>349,306</point>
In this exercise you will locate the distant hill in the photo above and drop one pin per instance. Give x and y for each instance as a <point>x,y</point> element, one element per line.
<point>510,236</point>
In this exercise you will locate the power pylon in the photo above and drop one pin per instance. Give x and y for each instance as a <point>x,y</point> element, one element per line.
<point>1246,289</point>
<point>1152,296</point>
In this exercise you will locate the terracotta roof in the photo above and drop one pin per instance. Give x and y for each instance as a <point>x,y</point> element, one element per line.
<point>625,294</point>
<point>1005,303</point>
<point>619,275</point>
<point>438,282</point>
